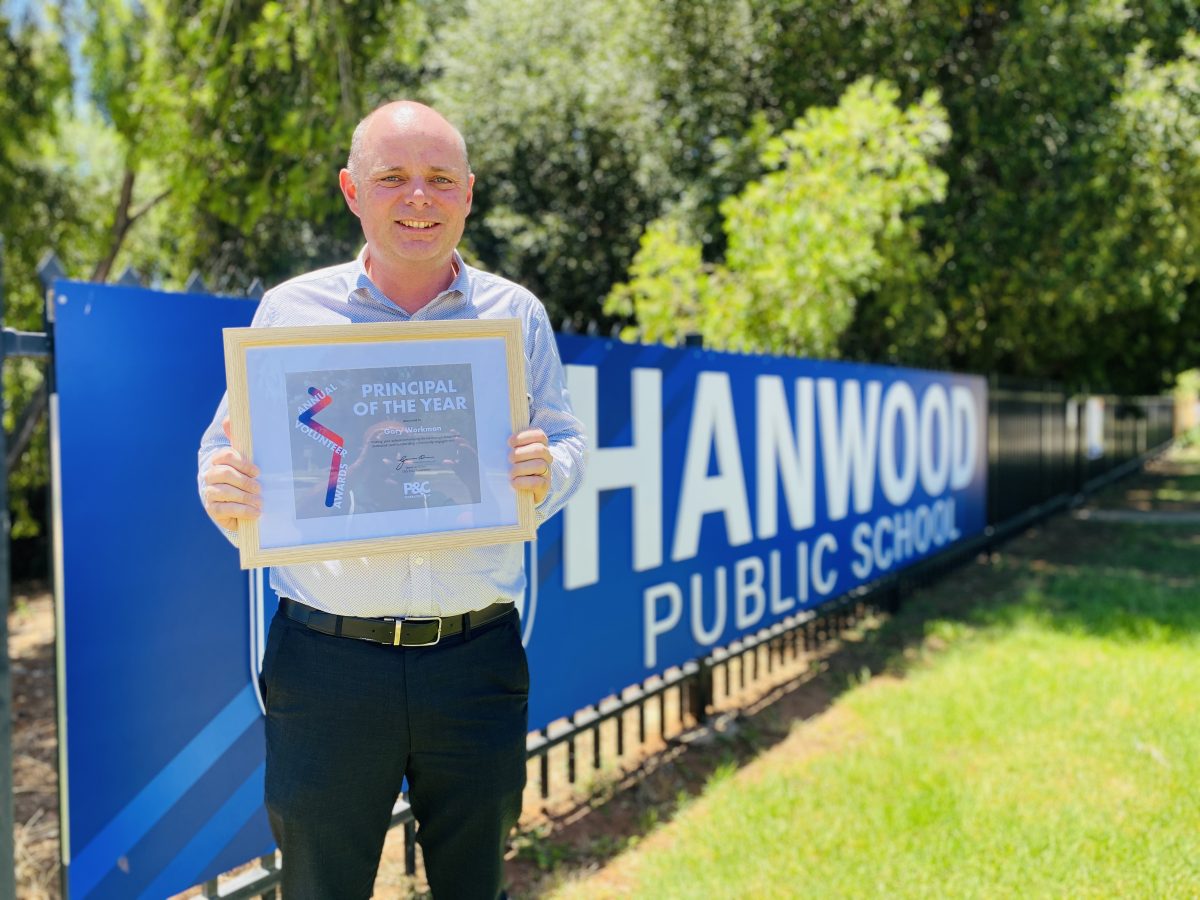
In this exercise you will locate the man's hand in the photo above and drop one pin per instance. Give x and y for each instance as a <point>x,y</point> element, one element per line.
<point>231,491</point>
<point>530,458</point>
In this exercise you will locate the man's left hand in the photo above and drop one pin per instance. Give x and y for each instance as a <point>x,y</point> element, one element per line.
<point>530,459</point>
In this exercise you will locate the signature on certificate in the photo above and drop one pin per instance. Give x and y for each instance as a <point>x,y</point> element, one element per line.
<point>409,463</point>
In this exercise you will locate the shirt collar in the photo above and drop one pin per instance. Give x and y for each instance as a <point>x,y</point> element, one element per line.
<point>457,293</point>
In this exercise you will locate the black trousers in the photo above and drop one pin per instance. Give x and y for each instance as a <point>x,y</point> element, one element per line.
<point>347,720</point>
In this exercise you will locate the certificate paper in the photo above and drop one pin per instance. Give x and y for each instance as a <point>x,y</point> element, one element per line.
<point>377,438</point>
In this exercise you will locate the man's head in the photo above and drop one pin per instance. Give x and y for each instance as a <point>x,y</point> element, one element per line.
<point>355,164</point>
<point>409,182</point>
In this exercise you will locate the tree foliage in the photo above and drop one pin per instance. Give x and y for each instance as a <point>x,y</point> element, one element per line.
<point>238,116</point>
<point>1129,284</point>
<point>832,220</point>
<point>37,206</point>
<point>40,205</point>
<point>1043,262</point>
<point>585,127</point>
<point>1033,111</point>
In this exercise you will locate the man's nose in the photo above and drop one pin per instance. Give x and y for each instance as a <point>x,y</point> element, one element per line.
<point>417,195</point>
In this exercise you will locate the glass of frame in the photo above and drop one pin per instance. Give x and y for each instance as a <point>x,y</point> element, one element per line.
<point>378,438</point>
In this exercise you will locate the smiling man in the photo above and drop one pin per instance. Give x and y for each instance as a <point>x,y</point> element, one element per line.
<point>349,715</point>
<point>409,183</point>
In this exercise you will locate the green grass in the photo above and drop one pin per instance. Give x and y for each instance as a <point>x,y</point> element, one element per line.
<point>1049,748</point>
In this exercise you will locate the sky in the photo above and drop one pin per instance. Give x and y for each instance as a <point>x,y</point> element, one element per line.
<point>16,11</point>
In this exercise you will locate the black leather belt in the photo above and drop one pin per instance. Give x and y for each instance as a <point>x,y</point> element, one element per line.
<point>412,631</point>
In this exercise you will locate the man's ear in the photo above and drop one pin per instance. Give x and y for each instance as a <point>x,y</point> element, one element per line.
<point>470,190</point>
<point>349,191</point>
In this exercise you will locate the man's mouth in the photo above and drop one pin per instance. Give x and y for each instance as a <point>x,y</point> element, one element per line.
<point>416,223</point>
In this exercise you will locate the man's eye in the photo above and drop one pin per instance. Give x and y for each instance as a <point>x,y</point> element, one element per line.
<point>442,179</point>
<point>391,179</point>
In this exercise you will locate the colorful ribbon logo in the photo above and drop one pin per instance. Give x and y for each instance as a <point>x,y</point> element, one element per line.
<point>306,419</point>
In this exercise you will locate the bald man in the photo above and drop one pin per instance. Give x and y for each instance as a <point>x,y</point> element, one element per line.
<point>349,714</point>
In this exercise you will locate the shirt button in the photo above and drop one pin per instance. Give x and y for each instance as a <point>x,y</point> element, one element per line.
<point>417,560</point>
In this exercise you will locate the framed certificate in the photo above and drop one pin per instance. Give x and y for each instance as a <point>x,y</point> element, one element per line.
<point>377,438</point>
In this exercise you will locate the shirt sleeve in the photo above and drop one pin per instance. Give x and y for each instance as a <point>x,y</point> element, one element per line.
<point>550,410</point>
<point>214,438</point>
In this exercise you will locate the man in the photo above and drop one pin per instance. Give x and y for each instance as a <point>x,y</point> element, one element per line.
<point>349,717</point>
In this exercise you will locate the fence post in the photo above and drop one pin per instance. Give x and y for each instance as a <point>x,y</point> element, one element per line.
<point>700,698</point>
<point>994,465</point>
<point>269,863</point>
<point>8,884</point>
<point>410,847</point>
<point>49,271</point>
<point>1043,493</point>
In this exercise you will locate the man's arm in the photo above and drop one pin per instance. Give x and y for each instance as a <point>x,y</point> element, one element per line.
<point>549,456</point>
<point>227,480</point>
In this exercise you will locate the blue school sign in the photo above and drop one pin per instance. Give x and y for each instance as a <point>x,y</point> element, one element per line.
<point>724,493</point>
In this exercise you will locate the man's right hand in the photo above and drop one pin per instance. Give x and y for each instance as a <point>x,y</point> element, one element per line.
<point>231,488</point>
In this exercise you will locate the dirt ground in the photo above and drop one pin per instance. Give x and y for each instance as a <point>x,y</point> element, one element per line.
<point>574,833</point>
<point>35,743</point>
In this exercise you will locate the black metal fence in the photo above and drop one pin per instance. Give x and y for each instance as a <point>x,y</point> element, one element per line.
<point>1045,448</point>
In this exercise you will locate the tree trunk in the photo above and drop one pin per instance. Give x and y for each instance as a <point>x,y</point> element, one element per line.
<point>120,227</point>
<point>19,440</point>
<point>122,222</point>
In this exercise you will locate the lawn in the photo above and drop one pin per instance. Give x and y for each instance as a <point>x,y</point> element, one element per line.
<point>1042,739</point>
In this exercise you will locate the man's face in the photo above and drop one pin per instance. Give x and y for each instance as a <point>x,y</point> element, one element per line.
<point>413,192</point>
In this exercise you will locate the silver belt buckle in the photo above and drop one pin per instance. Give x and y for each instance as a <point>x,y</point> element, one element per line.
<point>400,625</point>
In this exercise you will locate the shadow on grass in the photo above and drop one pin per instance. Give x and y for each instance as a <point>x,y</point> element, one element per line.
<point>1112,581</point>
<point>1121,606</point>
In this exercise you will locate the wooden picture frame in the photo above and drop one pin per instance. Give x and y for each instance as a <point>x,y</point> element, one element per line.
<point>378,438</point>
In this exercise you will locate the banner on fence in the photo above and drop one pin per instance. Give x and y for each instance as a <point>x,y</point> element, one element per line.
<point>724,493</point>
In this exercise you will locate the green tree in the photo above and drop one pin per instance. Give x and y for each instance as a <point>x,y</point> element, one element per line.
<point>39,210</point>
<point>832,220</point>
<point>1029,108</point>
<point>37,206</point>
<point>1131,280</point>
<point>236,118</point>
<point>585,127</point>
<point>1032,92</point>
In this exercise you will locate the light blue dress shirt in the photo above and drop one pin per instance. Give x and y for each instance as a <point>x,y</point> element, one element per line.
<point>437,582</point>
